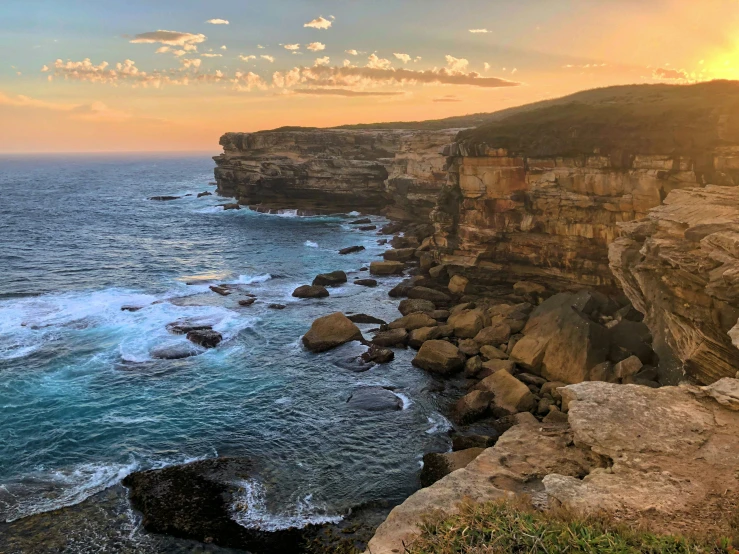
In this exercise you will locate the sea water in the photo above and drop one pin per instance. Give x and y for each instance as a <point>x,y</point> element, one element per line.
<point>82,401</point>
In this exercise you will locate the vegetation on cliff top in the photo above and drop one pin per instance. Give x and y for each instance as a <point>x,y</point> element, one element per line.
<point>504,528</point>
<point>659,119</point>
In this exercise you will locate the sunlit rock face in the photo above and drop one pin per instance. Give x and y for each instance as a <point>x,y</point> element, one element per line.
<point>335,170</point>
<point>680,267</point>
<point>503,217</point>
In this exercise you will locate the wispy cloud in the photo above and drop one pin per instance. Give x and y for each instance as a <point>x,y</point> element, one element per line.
<point>95,111</point>
<point>344,92</point>
<point>405,58</point>
<point>447,98</point>
<point>316,47</point>
<point>212,55</point>
<point>172,38</point>
<point>457,64</point>
<point>479,31</point>
<point>352,52</point>
<point>664,73</point>
<point>270,59</point>
<point>323,61</point>
<point>319,23</point>
<point>291,46</point>
<point>218,21</point>
<point>375,62</point>
<point>244,58</point>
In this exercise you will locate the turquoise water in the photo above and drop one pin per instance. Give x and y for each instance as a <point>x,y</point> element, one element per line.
<point>82,402</point>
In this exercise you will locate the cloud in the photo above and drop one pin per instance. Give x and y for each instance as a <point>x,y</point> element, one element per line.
<point>479,31</point>
<point>188,63</point>
<point>447,98</point>
<point>163,50</point>
<point>212,55</point>
<point>218,21</point>
<point>319,23</point>
<point>291,46</point>
<point>224,47</point>
<point>487,66</point>
<point>323,61</point>
<point>405,58</point>
<point>96,111</point>
<point>270,59</point>
<point>669,74</point>
<point>316,47</point>
<point>343,92</point>
<point>457,64</point>
<point>248,81</point>
<point>352,52</point>
<point>378,63</point>
<point>246,58</point>
<point>373,76</point>
<point>260,47</point>
<point>172,38</point>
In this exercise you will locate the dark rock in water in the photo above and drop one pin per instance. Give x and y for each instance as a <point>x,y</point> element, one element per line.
<point>392,228</point>
<point>277,306</point>
<point>362,221</point>
<point>194,501</point>
<point>206,193</point>
<point>310,291</point>
<point>131,308</point>
<point>232,206</point>
<point>367,228</point>
<point>382,242</point>
<point>394,337</point>
<point>436,466</point>
<point>184,326</point>
<point>378,355</point>
<point>220,289</point>
<point>374,399</point>
<point>164,198</point>
<point>207,338</point>
<point>363,269</point>
<point>401,289</point>
<point>366,282</point>
<point>330,279</point>
<point>364,318</point>
<point>247,301</point>
<point>350,250</point>
<point>175,352</point>
<point>463,442</point>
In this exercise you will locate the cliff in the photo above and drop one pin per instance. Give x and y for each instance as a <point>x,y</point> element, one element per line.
<point>680,267</point>
<point>539,195</point>
<point>334,170</point>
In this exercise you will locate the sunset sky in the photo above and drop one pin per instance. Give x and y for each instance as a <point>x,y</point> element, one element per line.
<point>84,75</point>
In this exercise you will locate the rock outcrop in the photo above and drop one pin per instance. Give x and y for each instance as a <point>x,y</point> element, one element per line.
<point>680,267</point>
<point>334,170</point>
<point>666,456</point>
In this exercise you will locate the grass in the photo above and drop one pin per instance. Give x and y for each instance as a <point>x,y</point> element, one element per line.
<point>514,528</point>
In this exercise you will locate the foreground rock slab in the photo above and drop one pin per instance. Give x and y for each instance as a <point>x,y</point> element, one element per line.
<point>668,457</point>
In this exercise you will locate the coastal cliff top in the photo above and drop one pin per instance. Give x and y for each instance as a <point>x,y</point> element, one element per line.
<point>648,119</point>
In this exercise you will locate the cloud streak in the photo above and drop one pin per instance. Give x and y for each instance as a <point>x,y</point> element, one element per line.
<point>171,38</point>
<point>319,23</point>
<point>664,73</point>
<point>218,21</point>
<point>343,92</point>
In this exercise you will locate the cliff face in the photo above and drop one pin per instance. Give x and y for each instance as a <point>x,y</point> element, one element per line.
<point>680,267</point>
<point>505,217</point>
<point>334,170</point>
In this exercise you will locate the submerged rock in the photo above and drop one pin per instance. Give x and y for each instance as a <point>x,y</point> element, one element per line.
<point>206,193</point>
<point>276,306</point>
<point>164,198</point>
<point>175,352</point>
<point>375,399</point>
<point>247,302</point>
<point>207,338</point>
<point>184,326</point>
<point>233,206</point>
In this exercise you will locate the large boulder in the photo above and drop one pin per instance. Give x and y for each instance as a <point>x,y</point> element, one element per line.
<point>458,285</point>
<point>496,334</point>
<point>413,321</point>
<point>399,255</point>
<point>330,279</point>
<point>510,393</point>
<point>467,324</point>
<point>425,293</point>
<point>439,356</point>
<point>412,305</point>
<point>386,268</point>
<point>438,465</point>
<point>207,338</point>
<point>310,291</point>
<point>418,336</point>
<point>393,337</point>
<point>378,355</point>
<point>331,331</point>
<point>472,406</point>
<point>374,399</point>
<point>350,250</point>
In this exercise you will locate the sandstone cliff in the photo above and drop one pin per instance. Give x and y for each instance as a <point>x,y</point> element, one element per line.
<point>335,170</point>
<point>680,267</point>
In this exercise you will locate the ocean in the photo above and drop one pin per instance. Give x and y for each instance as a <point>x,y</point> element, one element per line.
<point>83,402</point>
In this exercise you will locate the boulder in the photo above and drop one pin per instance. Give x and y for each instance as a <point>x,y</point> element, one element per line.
<point>206,193</point>
<point>495,335</point>
<point>330,279</point>
<point>207,338</point>
<point>491,353</point>
<point>472,406</point>
<point>439,315</point>
<point>310,291</point>
<point>363,221</point>
<point>529,379</point>
<point>386,268</point>
<point>425,293</point>
<point>413,321</point>
<point>528,288</point>
<point>463,442</point>
<point>232,206</point>
<point>467,324</point>
<point>468,347</point>
<point>367,228</point>
<point>493,366</point>
<point>510,393</point>
<point>374,399</point>
<point>418,336</point>
<point>393,337</point>
<point>364,318</point>
<point>458,285</point>
<point>220,289</point>
<point>164,198</point>
<point>436,466</point>
<point>401,289</point>
<point>529,352</point>
<point>378,355</point>
<point>351,250</point>
<point>438,356</point>
<point>472,366</point>
<point>627,368</point>
<point>399,255</point>
<point>366,282</point>
<point>184,326</point>
<point>247,301</point>
<point>410,305</point>
<point>331,331</point>
<point>276,306</point>
<point>175,352</point>
<point>603,372</point>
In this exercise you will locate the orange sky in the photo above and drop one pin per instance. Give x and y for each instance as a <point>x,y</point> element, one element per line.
<point>190,80</point>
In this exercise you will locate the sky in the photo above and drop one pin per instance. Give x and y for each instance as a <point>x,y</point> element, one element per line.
<point>174,75</point>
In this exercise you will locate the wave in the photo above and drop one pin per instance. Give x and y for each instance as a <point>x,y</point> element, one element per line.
<point>311,244</point>
<point>439,424</point>
<point>252,279</point>
<point>250,510</point>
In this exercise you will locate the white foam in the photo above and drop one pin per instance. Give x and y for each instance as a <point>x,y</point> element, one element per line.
<point>354,214</point>
<point>250,510</point>
<point>252,279</point>
<point>311,244</point>
<point>407,402</point>
<point>439,424</point>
